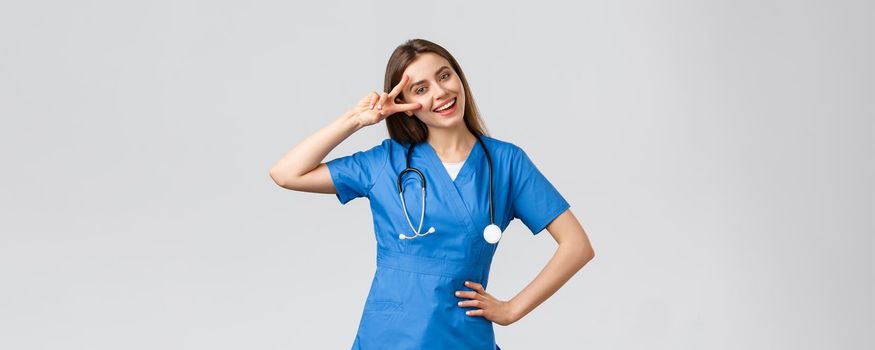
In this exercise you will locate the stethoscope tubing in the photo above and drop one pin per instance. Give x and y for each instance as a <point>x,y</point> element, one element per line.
<point>422,179</point>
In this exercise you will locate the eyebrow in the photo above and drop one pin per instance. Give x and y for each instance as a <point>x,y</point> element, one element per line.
<point>422,81</point>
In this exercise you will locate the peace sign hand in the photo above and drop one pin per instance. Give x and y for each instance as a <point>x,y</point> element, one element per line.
<point>374,107</point>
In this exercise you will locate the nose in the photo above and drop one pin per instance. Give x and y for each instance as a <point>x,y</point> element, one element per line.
<point>440,93</point>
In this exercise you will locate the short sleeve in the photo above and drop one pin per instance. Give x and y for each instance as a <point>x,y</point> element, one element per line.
<point>535,200</point>
<point>354,175</point>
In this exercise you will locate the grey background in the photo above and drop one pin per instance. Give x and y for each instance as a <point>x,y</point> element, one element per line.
<point>719,154</point>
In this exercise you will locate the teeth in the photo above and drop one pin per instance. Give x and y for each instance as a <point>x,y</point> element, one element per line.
<point>448,105</point>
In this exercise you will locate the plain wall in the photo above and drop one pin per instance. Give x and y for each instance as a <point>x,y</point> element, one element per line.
<point>719,155</point>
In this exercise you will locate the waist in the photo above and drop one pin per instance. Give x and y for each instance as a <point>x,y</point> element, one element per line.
<point>477,269</point>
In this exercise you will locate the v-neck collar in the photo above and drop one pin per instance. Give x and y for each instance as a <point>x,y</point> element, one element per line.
<point>462,176</point>
<point>449,188</point>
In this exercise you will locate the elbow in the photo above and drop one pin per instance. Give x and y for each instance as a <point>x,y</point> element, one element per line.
<point>581,252</point>
<point>277,178</point>
<point>579,248</point>
<point>586,254</point>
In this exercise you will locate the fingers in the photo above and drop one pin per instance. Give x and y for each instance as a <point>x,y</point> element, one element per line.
<point>372,99</point>
<point>383,98</point>
<point>478,312</point>
<point>468,294</point>
<point>477,293</point>
<point>472,303</point>
<point>401,108</point>
<point>475,286</point>
<point>388,104</point>
<point>478,299</point>
<point>388,99</point>
<point>400,87</point>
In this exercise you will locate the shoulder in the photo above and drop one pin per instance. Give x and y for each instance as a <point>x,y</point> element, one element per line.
<point>390,146</point>
<point>372,156</point>
<point>387,143</point>
<point>381,149</point>
<point>502,149</point>
<point>514,159</point>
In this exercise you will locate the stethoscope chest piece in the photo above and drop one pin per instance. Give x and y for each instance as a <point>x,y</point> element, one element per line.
<point>492,233</point>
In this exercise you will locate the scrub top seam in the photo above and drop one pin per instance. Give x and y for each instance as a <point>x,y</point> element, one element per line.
<point>513,180</point>
<point>418,272</point>
<point>553,215</point>
<point>382,170</point>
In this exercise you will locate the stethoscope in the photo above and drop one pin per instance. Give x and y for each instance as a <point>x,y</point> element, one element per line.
<point>492,233</point>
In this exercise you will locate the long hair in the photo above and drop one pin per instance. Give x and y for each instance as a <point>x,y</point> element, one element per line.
<point>406,129</point>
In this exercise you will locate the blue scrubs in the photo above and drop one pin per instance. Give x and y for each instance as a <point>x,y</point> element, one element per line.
<point>412,302</point>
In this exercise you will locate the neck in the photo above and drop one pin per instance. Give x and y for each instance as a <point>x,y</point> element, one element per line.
<point>451,144</point>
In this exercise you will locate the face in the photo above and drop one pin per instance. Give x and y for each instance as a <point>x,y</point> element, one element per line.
<point>433,84</point>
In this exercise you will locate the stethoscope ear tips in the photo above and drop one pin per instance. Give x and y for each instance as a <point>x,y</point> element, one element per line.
<point>403,236</point>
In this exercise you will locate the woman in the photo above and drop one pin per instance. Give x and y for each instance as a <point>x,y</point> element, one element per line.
<point>429,288</point>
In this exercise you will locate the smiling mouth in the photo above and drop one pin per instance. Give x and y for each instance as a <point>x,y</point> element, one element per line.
<point>446,106</point>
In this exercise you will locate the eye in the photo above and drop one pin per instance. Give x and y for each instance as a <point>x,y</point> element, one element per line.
<point>447,75</point>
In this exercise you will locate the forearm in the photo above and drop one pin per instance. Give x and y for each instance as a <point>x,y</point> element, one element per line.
<point>569,258</point>
<point>310,152</point>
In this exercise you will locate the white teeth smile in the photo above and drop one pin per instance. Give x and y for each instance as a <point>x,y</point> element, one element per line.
<point>448,105</point>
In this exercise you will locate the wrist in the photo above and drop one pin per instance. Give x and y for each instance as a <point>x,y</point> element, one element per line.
<point>351,121</point>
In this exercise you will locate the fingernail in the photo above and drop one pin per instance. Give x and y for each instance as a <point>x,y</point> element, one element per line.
<point>380,106</point>
<point>467,312</point>
<point>458,293</point>
<point>372,106</point>
<point>460,303</point>
<point>466,282</point>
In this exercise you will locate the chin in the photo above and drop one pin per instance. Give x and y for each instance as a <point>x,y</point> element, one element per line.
<point>448,122</point>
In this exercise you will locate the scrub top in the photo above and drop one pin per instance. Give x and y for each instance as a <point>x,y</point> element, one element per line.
<point>411,303</point>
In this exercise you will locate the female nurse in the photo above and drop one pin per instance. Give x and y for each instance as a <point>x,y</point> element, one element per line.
<point>435,225</point>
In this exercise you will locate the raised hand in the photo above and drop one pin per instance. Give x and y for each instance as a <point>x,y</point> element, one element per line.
<point>374,107</point>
